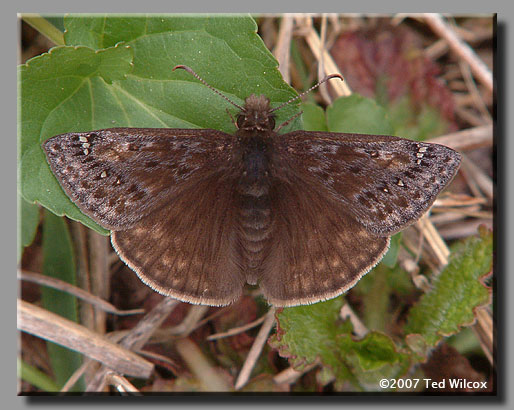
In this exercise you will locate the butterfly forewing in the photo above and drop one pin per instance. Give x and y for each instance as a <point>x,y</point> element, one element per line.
<point>385,182</point>
<point>118,176</point>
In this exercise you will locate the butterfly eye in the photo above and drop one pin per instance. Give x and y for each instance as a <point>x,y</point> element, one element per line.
<point>271,122</point>
<point>240,121</point>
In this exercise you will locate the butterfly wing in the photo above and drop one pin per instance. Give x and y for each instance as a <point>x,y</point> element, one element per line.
<point>188,248</point>
<point>319,250</point>
<point>336,199</point>
<point>167,195</point>
<point>118,176</point>
<point>385,182</point>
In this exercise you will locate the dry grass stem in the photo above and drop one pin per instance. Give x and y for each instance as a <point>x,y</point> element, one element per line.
<point>42,323</point>
<point>200,367</point>
<point>341,88</point>
<point>237,330</point>
<point>323,91</point>
<point>459,230</point>
<point>471,138</point>
<point>192,321</point>
<point>437,49</point>
<point>484,329</point>
<point>159,357</point>
<point>475,213</point>
<point>99,269</point>
<point>122,384</point>
<point>137,337</point>
<point>456,200</point>
<point>78,233</point>
<point>256,349</point>
<point>477,179</point>
<point>77,374</point>
<point>75,291</point>
<point>434,241</point>
<point>475,93</point>
<point>359,329</point>
<point>291,375</point>
<point>195,313</point>
<point>479,69</point>
<point>283,46</point>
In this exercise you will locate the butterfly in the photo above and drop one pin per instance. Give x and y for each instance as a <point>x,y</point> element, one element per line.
<point>198,213</point>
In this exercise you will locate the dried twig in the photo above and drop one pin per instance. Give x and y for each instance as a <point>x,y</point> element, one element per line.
<point>474,93</point>
<point>189,323</point>
<point>478,67</point>
<point>359,328</point>
<point>75,291</point>
<point>283,47</point>
<point>48,325</point>
<point>237,330</point>
<point>434,240</point>
<point>98,256</point>
<point>122,384</point>
<point>137,337</point>
<point>468,139</point>
<point>475,174</point>
<point>256,349</point>
<point>200,366</point>
<point>484,330</point>
<point>291,375</point>
<point>314,42</point>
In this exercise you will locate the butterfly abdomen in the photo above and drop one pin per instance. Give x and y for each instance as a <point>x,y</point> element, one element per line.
<point>254,212</point>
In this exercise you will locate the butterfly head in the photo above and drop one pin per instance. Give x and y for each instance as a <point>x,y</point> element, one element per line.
<point>256,115</point>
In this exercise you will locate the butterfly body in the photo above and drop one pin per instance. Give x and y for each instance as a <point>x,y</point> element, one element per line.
<point>254,141</point>
<point>199,213</point>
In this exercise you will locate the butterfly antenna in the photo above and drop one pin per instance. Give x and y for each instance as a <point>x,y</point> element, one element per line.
<point>328,77</point>
<point>191,71</point>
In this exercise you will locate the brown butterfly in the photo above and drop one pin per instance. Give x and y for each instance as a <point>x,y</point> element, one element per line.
<point>197,213</point>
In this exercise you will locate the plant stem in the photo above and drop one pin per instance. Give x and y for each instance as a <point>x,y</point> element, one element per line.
<point>375,314</point>
<point>46,28</point>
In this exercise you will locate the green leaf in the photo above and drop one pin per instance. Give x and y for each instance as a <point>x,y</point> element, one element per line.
<point>36,377</point>
<point>307,333</point>
<point>412,122</point>
<point>359,115</point>
<point>29,221</point>
<point>108,84</point>
<point>373,351</point>
<point>58,263</point>
<point>56,90</point>
<point>313,117</point>
<point>392,254</point>
<point>455,294</point>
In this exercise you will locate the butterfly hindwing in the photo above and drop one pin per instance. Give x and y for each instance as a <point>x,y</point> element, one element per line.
<point>318,250</point>
<point>188,248</point>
